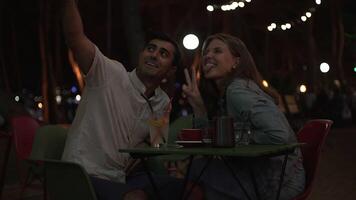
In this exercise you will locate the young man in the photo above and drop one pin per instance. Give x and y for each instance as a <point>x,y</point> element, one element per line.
<point>115,107</point>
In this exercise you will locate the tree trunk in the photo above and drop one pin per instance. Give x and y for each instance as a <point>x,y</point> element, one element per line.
<point>133,29</point>
<point>50,64</point>
<point>43,50</point>
<point>337,39</point>
<point>108,28</point>
<point>313,67</point>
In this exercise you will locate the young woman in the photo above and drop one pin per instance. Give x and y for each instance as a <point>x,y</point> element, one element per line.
<point>229,67</point>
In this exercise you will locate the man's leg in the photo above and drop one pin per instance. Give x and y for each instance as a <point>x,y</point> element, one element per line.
<point>168,187</point>
<point>109,190</point>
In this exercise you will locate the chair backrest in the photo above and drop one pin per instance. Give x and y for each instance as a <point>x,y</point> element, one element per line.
<point>23,129</point>
<point>313,133</point>
<point>49,142</point>
<point>177,125</point>
<point>67,180</point>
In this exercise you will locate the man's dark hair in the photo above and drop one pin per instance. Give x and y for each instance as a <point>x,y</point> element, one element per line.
<point>162,36</point>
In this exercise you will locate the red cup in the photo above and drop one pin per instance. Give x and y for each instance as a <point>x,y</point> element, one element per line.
<point>190,135</point>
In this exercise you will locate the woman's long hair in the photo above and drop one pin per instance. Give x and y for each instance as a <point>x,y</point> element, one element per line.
<point>246,68</point>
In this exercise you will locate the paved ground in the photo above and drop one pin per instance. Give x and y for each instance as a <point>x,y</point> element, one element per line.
<point>336,178</point>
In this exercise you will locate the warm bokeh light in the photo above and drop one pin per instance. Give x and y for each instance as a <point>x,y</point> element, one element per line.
<point>265,83</point>
<point>270,28</point>
<point>248,1</point>
<point>190,41</point>
<point>318,2</point>
<point>324,67</point>
<point>303,88</point>
<point>273,25</point>
<point>17,98</point>
<point>58,99</point>
<point>308,14</point>
<point>40,105</point>
<point>303,18</point>
<point>210,8</point>
<point>337,83</point>
<point>288,25</point>
<point>241,4</point>
<point>283,27</point>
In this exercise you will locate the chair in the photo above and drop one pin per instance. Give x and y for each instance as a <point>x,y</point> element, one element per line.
<point>34,143</point>
<point>5,156</point>
<point>313,133</point>
<point>23,129</point>
<point>67,180</point>
<point>49,142</point>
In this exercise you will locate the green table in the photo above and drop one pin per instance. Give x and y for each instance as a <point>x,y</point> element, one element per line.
<point>246,151</point>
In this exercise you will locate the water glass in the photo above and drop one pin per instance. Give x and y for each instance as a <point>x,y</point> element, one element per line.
<point>159,127</point>
<point>242,133</point>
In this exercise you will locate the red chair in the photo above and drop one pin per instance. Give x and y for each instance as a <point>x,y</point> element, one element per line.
<point>23,129</point>
<point>313,133</point>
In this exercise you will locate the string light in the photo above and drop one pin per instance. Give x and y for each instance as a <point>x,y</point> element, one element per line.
<point>303,88</point>
<point>40,105</point>
<point>210,8</point>
<point>301,19</point>
<point>265,83</point>
<point>232,5</point>
<point>324,67</point>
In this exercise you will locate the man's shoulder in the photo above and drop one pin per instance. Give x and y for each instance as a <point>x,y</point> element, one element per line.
<point>101,59</point>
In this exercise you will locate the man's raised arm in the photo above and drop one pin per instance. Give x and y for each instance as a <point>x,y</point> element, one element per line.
<point>83,49</point>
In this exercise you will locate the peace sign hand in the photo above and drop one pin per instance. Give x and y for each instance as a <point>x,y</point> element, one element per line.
<point>192,93</point>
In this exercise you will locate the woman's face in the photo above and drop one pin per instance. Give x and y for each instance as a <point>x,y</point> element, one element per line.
<point>218,61</point>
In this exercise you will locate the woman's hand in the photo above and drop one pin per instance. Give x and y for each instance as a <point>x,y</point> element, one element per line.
<point>192,93</point>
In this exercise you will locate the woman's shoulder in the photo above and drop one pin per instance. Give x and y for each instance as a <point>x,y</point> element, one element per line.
<point>239,93</point>
<point>243,86</point>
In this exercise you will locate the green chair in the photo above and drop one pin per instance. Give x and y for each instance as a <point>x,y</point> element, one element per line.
<point>49,142</point>
<point>67,180</point>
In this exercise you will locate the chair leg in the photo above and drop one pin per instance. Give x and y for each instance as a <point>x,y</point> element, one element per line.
<point>4,166</point>
<point>27,182</point>
<point>44,188</point>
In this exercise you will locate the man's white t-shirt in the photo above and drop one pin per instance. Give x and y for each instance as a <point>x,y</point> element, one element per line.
<point>112,114</point>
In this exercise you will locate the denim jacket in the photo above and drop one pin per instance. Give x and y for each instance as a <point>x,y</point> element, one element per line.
<point>268,126</point>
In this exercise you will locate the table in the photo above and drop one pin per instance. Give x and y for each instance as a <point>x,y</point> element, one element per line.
<point>252,151</point>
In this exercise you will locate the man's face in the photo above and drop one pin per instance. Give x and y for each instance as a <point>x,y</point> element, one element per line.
<point>156,60</point>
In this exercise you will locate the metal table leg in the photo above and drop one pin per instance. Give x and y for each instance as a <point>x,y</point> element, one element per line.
<point>252,174</point>
<point>235,177</point>
<point>155,188</point>
<point>282,175</point>
<point>194,183</point>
